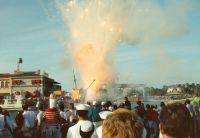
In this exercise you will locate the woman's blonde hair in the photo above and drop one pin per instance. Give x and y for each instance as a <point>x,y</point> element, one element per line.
<point>122,124</point>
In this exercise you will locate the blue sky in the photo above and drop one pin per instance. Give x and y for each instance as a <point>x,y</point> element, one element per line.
<point>27,30</point>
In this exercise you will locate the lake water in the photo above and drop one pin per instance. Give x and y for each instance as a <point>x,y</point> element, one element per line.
<point>133,104</point>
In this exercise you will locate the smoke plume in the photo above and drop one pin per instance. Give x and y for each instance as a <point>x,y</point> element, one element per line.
<point>95,27</point>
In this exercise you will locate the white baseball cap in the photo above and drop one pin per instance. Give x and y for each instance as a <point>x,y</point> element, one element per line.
<point>94,103</point>
<point>103,114</point>
<point>103,103</point>
<point>82,107</point>
<point>86,126</point>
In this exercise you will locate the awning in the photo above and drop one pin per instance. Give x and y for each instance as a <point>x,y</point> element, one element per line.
<point>57,92</point>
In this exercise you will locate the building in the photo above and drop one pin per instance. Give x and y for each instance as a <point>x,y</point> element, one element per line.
<point>27,82</point>
<point>128,89</point>
<point>174,91</point>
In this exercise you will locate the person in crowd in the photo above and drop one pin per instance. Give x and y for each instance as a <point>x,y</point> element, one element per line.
<point>162,105</point>
<point>127,103</point>
<point>138,119</point>
<point>103,106</point>
<point>197,120</point>
<point>110,108</point>
<point>120,124</point>
<point>82,113</point>
<point>19,130</point>
<point>189,107</point>
<point>151,121</point>
<point>9,120</point>
<point>64,120</point>
<point>31,102</point>
<point>89,103</point>
<point>140,109</point>
<point>29,119</point>
<point>121,105</point>
<point>155,107</point>
<point>108,104</point>
<point>6,113</point>
<point>5,126</point>
<point>40,114</point>
<point>114,107</point>
<point>72,114</point>
<point>39,119</point>
<point>103,115</point>
<point>94,114</point>
<point>196,99</point>
<point>63,114</point>
<point>86,129</point>
<point>51,120</point>
<point>174,121</point>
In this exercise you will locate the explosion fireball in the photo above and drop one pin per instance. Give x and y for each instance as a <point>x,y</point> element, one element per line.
<point>97,26</point>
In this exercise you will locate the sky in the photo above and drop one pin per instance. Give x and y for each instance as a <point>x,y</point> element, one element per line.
<point>31,29</point>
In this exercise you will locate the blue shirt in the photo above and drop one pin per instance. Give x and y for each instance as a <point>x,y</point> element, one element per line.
<point>94,114</point>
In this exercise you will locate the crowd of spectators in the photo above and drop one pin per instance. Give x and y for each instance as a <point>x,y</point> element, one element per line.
<point>103,119</point>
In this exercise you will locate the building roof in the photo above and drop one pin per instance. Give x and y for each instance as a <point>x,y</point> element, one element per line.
<point>19,73</point>
<point>52,80</point>
<point>27,74</point>
<point>6,75</point>
<point>55,82</point>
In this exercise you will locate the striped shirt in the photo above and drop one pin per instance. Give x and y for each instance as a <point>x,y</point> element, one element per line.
<point>51,116</point>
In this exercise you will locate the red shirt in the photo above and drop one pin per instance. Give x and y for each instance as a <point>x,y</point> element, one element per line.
<point>151,114</point>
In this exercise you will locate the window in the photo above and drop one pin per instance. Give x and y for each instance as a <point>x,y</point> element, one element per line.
<point>17,82</point>
<point>2,84</point>
<point>6,84</point>
<point>36,82</point>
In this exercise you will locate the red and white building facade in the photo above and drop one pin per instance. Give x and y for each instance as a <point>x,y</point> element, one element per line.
<point>22,82</point>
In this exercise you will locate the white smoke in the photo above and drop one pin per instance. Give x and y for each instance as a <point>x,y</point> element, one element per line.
<point>97,26</point>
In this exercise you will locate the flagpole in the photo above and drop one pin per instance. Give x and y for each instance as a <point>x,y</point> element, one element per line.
<point>18,66</point>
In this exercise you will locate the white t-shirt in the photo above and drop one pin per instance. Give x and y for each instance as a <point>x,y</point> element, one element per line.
<point>39,117</point>
<point>72,115</point>
<point>64,115</point>
<point>99,132</point>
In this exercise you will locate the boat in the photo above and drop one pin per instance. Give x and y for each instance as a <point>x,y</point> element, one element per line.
<point>12,104</point>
